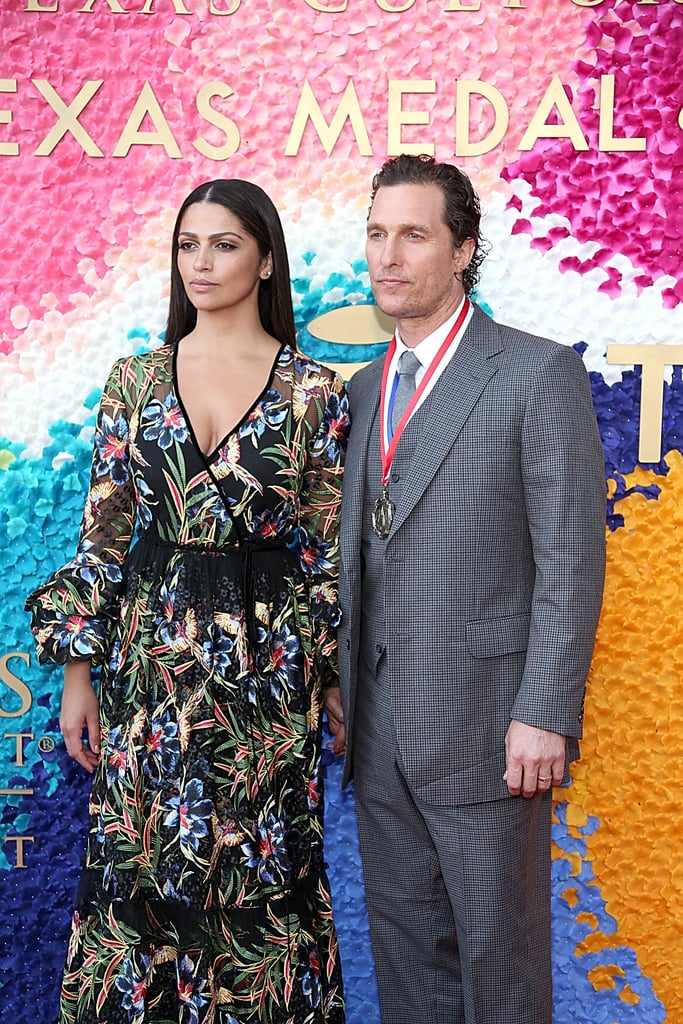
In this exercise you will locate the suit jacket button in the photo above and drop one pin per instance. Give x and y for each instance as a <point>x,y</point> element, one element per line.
<point>395,477</point>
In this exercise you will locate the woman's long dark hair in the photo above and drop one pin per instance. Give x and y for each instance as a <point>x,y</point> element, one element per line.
<point>257,214</point>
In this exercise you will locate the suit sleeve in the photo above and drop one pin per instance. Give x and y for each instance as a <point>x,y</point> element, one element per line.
<point>562,465</point>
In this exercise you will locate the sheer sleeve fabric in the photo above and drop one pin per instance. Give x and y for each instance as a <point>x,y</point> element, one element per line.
<point>72,611</point>
<point>319,520</point>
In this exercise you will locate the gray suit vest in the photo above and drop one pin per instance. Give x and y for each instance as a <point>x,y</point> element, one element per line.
<point>373,623</point>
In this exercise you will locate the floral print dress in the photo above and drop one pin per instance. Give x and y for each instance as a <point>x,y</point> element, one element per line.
<point>204,898</point>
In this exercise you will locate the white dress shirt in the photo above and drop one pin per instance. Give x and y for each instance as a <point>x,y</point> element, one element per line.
<point>425,351</point>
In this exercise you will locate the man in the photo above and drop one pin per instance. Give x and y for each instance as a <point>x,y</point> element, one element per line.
<point>472,551</point>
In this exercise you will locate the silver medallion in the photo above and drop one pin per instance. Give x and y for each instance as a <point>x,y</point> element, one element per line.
<point>383,515</point>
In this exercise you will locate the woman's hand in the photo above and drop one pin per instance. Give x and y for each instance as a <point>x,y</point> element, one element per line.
<point>80,709</point>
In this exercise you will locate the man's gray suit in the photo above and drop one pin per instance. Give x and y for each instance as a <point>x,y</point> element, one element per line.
<point>481,605</point>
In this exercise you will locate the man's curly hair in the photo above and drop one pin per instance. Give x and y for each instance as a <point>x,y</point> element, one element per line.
<point>462,211</point>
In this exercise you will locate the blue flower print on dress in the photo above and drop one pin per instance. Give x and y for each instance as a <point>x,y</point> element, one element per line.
<point>273,523</point>
<point>111,449</point>
<point>190,811</point>
<point>170,892</point>
<point>77,634</point>
<point>115,657</point>
<point>190,990</point>
<point>98,831</point>
<point>176,634</point>
<point>117,755</point>
<point>144,493</point>
<point>91,572</point>
<point>331,437</point>
<point>206,514</point>
<point>268,854</point>
<point>284,663</point>
<point>217,510</point>
<point>270,413</point>
<point>216,649</point>
<point>162,748</point>
<point>308,972</point>
<point>132,982</point>
<point>324,606</point>
<point>110,882</point>
<point>179,634</point>
<point>314,553</point>
<point>164,422</point>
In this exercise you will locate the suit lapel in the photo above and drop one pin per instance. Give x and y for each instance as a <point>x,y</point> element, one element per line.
<point>365,394</point>
<point>454,396</point>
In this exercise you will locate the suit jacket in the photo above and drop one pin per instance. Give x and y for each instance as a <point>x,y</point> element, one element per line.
<point>494,566</point>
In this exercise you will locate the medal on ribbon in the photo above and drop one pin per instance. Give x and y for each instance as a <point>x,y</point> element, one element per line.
<point>383,510</point>
<point>383,514</point>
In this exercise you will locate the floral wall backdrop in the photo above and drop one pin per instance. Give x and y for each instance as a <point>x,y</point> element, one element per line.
<point>569,119</point>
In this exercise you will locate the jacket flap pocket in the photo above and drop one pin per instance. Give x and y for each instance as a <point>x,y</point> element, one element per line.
<point>489,638</point>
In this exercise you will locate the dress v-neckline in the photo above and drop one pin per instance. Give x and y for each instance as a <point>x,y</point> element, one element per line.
<point>210,456</point>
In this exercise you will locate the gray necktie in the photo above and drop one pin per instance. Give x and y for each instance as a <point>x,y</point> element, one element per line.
<point>408,365</point>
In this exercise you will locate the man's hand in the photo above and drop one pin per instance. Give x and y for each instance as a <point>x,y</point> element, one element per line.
<point>80,709</point>
<point>534,759</point>
<point>335,716</point>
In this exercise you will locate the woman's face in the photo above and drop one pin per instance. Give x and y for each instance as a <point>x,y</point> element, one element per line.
<point>218,260</point>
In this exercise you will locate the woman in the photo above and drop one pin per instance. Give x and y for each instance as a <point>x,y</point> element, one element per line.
<point>204,896</point>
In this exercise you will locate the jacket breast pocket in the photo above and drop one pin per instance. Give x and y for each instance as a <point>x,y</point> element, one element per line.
<point>491,638</point>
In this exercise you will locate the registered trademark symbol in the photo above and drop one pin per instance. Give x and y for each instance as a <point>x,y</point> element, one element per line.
<point>46,744</point>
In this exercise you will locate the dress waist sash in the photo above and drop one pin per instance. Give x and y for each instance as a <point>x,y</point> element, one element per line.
<point>242,553</point>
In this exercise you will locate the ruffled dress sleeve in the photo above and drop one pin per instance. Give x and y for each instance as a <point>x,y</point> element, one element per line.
<point>319,519</point>
<point>71,612</point>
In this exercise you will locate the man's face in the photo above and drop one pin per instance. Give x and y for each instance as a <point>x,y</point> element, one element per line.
<point>412,258</point>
